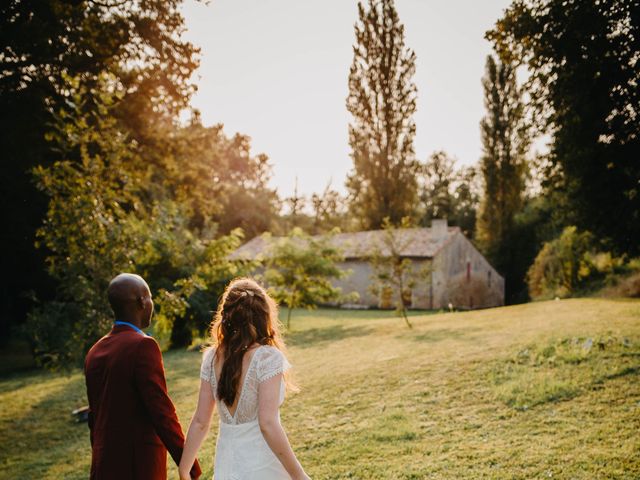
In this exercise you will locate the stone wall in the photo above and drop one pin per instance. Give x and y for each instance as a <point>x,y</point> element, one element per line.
<point>459,275</point>
<point>361,279</point>
<point>464,278</point>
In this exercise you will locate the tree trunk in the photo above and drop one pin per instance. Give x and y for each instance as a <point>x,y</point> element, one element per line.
<point>401,306</point>
<point>290,305</point>
<point>288,318</point>
<point>406,318</point>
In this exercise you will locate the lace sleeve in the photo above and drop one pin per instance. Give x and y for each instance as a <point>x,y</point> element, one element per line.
<point>272,363</point>
<point>206,369</point>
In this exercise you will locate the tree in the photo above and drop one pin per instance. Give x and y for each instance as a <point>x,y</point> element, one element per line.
<point>382,101</point>
<point>44,44</point>
<point>96,88</point>
<point>583,62</point>
<point>90,230</point>
<point>295,217</point>
<point>467,199</point>
<point>217,179</point>
<point>437,196</point>
<point>103,218</point>
<point>185,301</point>
<point>246,200</point>
<point>329,211</point>
<point>505,139</point>
<point>299,269</point>
<point>447,192</point>
<point>393,272</point>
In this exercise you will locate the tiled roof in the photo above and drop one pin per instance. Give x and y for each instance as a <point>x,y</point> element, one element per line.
<point>413,242</point>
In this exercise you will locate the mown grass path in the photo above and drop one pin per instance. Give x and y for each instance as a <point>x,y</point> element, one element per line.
<point>537,391</point>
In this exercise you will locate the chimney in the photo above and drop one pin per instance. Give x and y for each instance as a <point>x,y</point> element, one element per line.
<point>439,228</point>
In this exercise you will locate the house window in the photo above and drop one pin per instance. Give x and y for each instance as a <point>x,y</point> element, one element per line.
<point>489,277</point>
<point>468,271</point>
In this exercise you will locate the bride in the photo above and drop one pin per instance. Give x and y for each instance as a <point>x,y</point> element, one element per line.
<point>244,374</point>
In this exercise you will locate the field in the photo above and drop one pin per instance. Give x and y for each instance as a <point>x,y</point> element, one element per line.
<point>537,391</point>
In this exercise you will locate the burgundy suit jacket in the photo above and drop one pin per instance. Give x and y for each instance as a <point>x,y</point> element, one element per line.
<point>132,420</point>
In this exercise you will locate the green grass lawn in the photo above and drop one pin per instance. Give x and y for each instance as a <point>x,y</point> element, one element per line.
<point>543,390</point>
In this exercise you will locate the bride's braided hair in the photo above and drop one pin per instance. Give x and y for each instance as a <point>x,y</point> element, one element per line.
<point>246,315</point>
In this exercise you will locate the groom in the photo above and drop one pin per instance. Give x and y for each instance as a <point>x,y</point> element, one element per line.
<point>132,420</point>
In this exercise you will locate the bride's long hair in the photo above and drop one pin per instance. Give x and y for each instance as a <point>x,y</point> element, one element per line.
<point>246,315</point>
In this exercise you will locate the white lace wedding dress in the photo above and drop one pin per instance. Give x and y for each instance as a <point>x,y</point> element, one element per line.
<point>241,451</point>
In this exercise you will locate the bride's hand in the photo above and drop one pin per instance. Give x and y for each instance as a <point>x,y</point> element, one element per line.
<point>184,475</point>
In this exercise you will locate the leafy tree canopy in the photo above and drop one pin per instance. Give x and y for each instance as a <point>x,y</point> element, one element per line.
<point>299,269</point>
<point>584,66</point>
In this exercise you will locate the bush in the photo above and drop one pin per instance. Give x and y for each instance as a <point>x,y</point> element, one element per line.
<point>627,286</point>
<point>50,329</point>
<point>571,264</point>
<point>562,265</point>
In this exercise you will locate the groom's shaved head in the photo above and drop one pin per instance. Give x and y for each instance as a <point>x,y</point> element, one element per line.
<point>125,291</point>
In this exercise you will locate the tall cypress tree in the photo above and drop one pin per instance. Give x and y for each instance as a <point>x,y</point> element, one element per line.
<point>503,163</point>
<point>382,101</point>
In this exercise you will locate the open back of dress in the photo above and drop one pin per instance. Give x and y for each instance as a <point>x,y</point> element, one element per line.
<point>241,451</point>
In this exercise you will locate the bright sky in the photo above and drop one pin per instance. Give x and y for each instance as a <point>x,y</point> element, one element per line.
<point>277,70</point>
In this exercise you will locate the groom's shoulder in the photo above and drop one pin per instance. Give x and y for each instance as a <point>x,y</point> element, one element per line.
<point>149,342</point>
<point>124,343</point>
<point>148,347</point>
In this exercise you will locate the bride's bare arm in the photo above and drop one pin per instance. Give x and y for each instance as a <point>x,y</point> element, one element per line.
<point>198,429</point>
<point>274,434</point>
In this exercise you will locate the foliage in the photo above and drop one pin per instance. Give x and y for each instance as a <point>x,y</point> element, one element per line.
<point>466,200</point>
<point>124,186</point>
<point>583,61</point>
<point>137,44</point>
<point>137,41</point>
<point>448,193</point>
<point>215,178</point>
<point>540,220</point>
<point>394,274</point>
<point>574,264</point>
<point>105,217</point>
<point>295,217</point>
<point>330,211</point>
<point>318,213</point>
<point>624,286</point>
<point>246,199</point>
<point>186,306</point>
<point>382,101</point>
<point>90,230</point>
<point>503,166</point>
<point>562,266</point>
<point>299,270</point>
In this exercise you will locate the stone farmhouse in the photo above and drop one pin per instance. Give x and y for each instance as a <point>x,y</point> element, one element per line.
<point>448,270</point>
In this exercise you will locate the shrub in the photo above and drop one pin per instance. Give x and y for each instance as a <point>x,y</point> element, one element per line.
<point>562,265</point>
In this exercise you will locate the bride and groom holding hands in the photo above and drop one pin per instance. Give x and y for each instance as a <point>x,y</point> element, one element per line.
<point>133,422</point>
